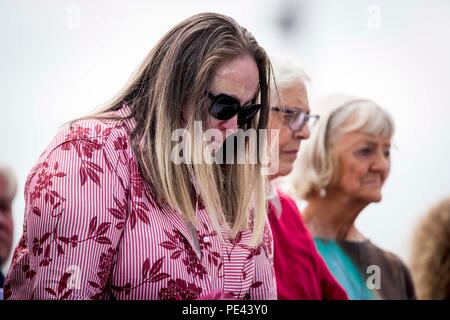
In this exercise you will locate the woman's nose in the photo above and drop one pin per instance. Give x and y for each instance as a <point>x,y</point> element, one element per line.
<point>381,163</point>
<point>229,124</point>
<point>304,133</point>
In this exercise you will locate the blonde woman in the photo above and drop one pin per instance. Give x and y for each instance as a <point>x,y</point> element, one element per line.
<point>340,171</point>
<point>110,215</point>
<point>430,259</point>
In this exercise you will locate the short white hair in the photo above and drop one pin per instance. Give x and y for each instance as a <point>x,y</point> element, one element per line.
<point>286,71</point>
<point>315,167</point>
<point>8,174</point>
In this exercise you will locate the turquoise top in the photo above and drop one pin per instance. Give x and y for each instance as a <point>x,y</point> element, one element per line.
<point>346,271</point>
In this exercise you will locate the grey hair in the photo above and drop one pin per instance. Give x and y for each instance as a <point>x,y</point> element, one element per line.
<point>316,165</point>
<point>8,174</point>
<point>287,71</point>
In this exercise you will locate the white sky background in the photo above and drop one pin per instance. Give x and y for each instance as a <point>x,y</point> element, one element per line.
<point>62,59</point>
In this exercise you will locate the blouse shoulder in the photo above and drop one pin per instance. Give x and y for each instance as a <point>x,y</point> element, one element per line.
<point>107,141</point>
<point>111,135</point>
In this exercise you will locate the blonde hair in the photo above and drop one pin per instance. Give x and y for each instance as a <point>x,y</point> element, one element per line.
<point>430,258</point>
<point>177,71</point>
<point>317,166</point>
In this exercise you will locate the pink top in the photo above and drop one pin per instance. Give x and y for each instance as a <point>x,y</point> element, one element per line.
<point>300,270</point>
<point>92,230</point>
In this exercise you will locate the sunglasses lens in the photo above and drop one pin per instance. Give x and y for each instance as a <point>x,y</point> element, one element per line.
<point>224,108</point>
<point>247,113</point>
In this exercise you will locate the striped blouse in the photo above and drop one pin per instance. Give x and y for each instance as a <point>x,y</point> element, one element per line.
<point>92,230</point>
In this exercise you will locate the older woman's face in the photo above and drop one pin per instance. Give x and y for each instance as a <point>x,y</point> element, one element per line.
<point>364,165</point>
<point>238,78</point>
<point>294,97</point>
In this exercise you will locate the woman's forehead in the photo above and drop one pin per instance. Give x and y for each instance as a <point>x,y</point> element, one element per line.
<point>238,78</point>
<point>360,136</point>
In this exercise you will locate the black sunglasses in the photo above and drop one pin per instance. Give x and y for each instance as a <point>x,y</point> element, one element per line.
<point>225,107</point>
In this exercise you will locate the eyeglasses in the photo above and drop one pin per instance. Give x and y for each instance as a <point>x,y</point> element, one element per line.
<point>225,107</point>
<point>297,119</point>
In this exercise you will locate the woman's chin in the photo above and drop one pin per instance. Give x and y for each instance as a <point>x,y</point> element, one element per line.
<point>285,169</point>
<point>372,197</point>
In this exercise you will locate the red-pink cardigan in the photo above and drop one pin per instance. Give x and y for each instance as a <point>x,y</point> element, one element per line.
<point>300,270</point>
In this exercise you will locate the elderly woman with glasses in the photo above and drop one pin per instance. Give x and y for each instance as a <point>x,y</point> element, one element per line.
<point>300,271</point>
<point>341,170</point>
<point>109,213</point>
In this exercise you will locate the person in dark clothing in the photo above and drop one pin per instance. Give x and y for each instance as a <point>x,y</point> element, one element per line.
<point>8,187</point>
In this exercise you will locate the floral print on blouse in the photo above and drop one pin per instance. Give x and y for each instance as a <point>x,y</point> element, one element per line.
<point>93,230</point>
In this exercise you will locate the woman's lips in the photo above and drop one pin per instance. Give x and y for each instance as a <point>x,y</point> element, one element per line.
<point>373,183</point>
<point>290,152</point>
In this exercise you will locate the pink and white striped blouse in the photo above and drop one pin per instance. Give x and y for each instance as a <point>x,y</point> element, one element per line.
<point>92,230</point>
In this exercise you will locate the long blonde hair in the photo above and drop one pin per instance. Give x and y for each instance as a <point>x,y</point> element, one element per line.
<point>176,71</point>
